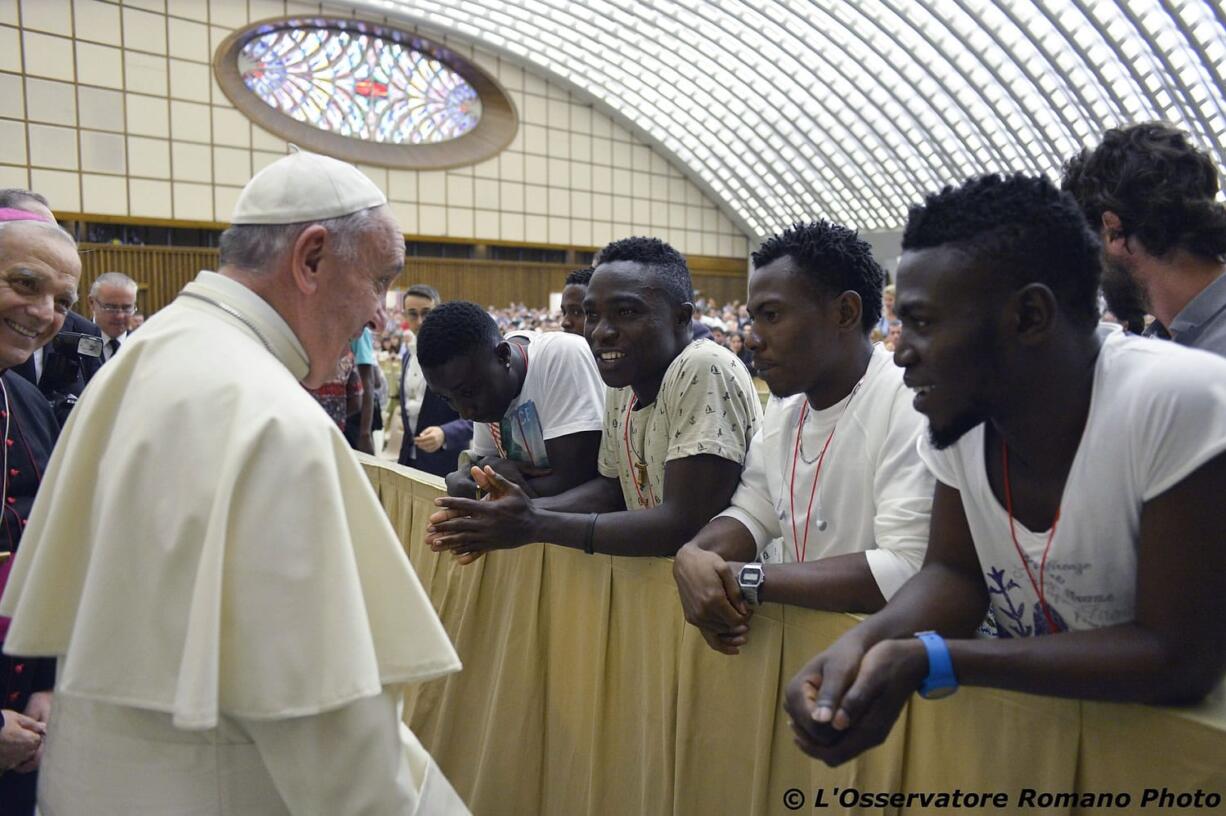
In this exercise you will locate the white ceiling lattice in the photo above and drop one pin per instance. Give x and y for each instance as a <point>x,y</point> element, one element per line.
<point>790,109</point>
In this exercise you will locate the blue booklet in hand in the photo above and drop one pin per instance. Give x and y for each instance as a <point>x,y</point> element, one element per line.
<point>523,439</point>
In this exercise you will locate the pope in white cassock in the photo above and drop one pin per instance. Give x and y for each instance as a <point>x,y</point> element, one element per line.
<point>234,614</point>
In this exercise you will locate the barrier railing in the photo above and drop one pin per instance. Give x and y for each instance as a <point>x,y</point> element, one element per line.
<point>584,692</point>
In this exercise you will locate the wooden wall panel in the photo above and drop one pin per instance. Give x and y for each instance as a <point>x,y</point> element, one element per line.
<point>162,271</point>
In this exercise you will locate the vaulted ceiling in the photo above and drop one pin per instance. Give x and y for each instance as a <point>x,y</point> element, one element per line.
<point>790,109</point>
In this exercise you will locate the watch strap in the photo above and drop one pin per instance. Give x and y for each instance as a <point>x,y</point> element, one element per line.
<point>940,681</point>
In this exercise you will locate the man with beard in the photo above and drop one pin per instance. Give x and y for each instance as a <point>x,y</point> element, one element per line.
<point>1078,484</point>
<point>1151,196</point>
<point>679,415</point>
<point>833,469</point>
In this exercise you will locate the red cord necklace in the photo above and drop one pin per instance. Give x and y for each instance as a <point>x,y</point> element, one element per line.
<point>1038,587</point>
<point>640,467</point>
<point>802,549</point>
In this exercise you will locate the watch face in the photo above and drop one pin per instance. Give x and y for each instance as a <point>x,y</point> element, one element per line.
<point>751,577</point>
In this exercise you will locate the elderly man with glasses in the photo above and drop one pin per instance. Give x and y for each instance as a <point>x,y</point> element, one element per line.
<point>113,299</point>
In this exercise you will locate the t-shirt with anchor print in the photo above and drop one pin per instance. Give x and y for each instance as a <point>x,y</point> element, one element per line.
<point>707,404</point>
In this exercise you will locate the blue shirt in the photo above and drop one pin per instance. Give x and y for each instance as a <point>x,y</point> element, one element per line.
<point>363,348</point>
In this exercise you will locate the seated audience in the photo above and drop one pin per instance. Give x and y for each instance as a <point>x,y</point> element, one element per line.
<point>1153,199</point>
<point>833,469</point>
<point>677,423</point>
<point>535,399</point>
<point>572,300</point>
<point>1078,480</point>
<point>736,344</point>
<point>434,433</point>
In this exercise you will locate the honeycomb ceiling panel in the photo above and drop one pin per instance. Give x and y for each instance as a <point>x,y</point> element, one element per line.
<point>784,110</point>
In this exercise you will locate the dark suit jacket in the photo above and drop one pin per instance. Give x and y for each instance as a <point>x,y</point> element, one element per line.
<point>434,411</point>
<point>73,322</point>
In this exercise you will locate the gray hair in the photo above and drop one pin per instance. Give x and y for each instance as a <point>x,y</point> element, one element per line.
<point>256,247</point>
<point>112,279</point>
<point>12,197</point>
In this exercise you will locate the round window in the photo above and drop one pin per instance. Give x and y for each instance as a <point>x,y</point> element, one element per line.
<point>365,92</point>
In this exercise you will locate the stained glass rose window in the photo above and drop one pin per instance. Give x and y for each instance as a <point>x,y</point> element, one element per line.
<point>367,92</point>
<point>359,85</point>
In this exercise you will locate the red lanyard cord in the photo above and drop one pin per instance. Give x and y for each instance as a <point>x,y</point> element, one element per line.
<point>650,501</point>
<point>1038,587</point>
<point>802,550</point>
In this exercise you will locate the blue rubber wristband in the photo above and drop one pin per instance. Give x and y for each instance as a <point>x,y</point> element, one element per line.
<point>940,681</point>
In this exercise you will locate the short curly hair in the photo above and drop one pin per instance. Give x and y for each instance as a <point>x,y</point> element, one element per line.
<point>1162,188</point>
<point>453,330</point>
<point>833,259</point>
<point>580,277</point>
<point>668,264</point>
<point>1020,226</point>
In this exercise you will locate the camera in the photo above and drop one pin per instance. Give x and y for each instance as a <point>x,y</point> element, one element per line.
<point>63,369</point>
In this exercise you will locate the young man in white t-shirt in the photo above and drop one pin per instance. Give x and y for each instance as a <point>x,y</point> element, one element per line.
<point>833,472</point>
<point>1079,480</point>
<point>536,400</point>
<point>679,415</point>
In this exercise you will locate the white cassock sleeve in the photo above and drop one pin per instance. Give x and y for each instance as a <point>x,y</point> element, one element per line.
<point>358,760</point>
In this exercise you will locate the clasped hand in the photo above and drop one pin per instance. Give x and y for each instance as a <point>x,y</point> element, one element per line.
<point>711,598</point>
<point>467,528</point>
<point>847,699</point>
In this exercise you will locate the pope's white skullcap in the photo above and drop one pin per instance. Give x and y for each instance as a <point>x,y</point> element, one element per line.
<point>305,187</point>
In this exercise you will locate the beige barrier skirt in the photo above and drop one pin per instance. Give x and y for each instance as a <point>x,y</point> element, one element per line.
<point>585,692</point>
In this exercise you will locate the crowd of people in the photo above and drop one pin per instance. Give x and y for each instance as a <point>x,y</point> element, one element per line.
<point>1018,493</point>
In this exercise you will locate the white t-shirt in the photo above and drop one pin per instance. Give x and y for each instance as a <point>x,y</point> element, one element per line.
<point>874,493</point>
<point>564,386</point>
<point>706,404</point>
<point>1157,412</point>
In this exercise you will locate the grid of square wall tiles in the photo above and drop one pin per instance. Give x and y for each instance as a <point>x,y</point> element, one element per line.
<point>110,108</point>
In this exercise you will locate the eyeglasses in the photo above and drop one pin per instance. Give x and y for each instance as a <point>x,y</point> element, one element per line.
<point>414,313</point>
<point>117,308</point>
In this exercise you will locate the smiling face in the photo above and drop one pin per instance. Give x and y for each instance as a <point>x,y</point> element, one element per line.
<point>39,271</point>
<point>572,309</point>
<point>951,344</point>
<point>794,331</point>
<point>350,293</point>
<point>633,329</point>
